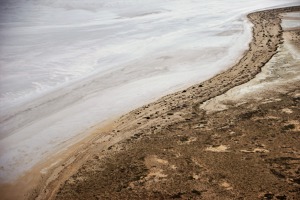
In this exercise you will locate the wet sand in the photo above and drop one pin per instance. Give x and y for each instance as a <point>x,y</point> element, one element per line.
<point>181,146</point>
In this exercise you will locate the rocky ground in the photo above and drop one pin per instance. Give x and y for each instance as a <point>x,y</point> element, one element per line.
<point>202,142</point>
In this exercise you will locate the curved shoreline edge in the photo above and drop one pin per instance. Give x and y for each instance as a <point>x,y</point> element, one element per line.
<point>174,108</point>
<point>180,106</point>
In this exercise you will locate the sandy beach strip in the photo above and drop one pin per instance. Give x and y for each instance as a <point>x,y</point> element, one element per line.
<point>101,156</point>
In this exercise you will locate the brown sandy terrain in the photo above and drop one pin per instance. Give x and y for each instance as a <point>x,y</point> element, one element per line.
<point>181,147</point>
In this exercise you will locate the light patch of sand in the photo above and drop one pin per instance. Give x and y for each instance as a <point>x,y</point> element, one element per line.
<point>196,177</point>
<point>260,150</point>
<point>287,110</point>
<point>155,166</point>
<point>256,150</point>
<point>45,170</point>
<point>296,95</point>
<point>173,167</point>
<point>226,185</point>
<point>154,161</point>
<point>156,174</point>
<point>271,100</point>
<point>221,148</point>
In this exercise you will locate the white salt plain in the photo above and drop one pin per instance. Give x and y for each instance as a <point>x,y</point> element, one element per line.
<point>291,20</point>
<point>68,65</point>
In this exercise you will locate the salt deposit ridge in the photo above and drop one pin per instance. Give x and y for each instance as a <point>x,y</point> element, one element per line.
<point>67,65</point>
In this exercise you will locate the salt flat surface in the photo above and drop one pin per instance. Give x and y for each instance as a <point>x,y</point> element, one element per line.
<point>291,20</point>
<point>67,65</point>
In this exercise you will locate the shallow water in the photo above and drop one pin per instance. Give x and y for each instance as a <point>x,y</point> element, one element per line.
<point>69,65</point>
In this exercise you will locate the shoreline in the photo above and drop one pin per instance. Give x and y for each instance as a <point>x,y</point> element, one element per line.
<point>142,121</point>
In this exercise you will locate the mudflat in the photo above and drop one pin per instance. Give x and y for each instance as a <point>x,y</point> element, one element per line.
<point>235,136</point>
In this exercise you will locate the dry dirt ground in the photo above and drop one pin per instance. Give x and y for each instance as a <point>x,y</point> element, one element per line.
<point>249,151</point>
<point>175,148</point>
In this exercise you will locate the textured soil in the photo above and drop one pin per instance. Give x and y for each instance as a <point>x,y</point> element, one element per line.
<point>249,151</point>
<point>173,149</point>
